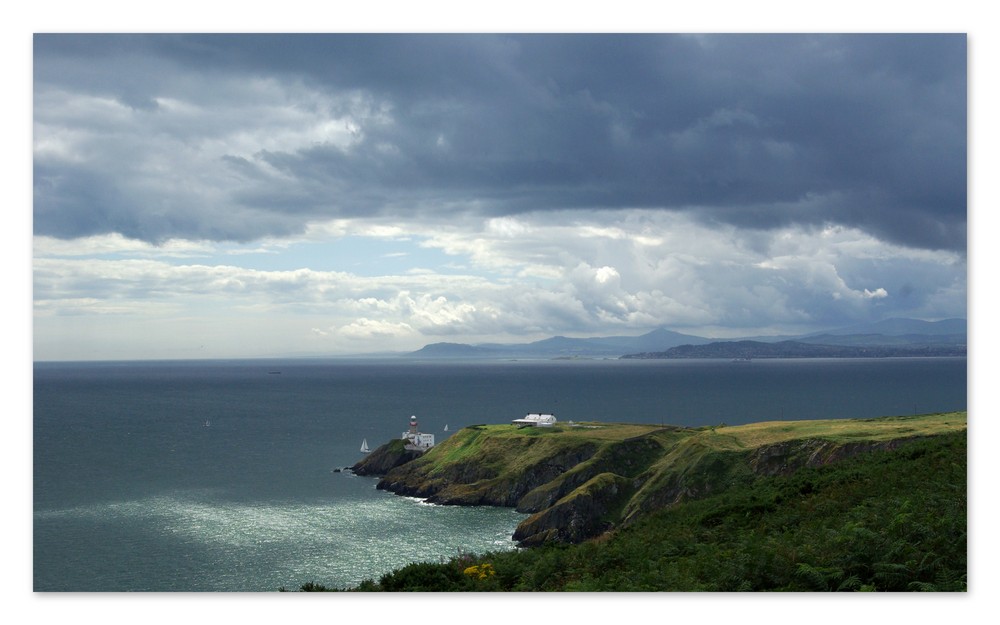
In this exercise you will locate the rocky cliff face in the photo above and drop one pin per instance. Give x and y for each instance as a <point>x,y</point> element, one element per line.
<point>628,458</point>
<point>485,479</point>
<point>586,513</point>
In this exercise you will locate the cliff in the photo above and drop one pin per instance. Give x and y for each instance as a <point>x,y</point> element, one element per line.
<point>579,481</point>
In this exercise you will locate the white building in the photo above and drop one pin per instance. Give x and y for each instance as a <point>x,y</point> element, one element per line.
<point>536,420</point>
<point>417,441</point>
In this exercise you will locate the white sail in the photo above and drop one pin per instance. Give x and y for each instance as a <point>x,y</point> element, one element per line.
<point>364,446</point>
<point>445,428</point>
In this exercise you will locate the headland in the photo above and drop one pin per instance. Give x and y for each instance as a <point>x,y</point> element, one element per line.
<point>579,481</point>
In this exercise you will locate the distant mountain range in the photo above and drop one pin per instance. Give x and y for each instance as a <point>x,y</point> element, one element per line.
<point>564,347</point>
<point>884,338</point>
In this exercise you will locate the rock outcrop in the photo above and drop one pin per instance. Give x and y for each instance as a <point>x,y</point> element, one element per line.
<point>487,478</point>
<point>588,511</point>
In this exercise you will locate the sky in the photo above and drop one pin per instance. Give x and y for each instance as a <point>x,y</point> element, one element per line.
<point>224,196</point>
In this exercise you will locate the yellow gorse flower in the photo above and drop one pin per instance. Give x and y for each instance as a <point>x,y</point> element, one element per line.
<point>480,571</point>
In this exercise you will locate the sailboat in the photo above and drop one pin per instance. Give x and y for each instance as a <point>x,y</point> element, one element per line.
<point>446,428</point>
<point>364,446</point>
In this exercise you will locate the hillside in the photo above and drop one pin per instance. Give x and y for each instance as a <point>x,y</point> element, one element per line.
<point>581,480</point>
<point>561,347</point>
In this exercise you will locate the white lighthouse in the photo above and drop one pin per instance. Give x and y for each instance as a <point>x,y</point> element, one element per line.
<point>417,441</point>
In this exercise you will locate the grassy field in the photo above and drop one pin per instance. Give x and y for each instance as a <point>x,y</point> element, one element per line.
<point>836,430</point>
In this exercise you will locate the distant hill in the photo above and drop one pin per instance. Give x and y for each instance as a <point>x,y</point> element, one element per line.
<point>453,350</point>
<point>563,347</point>
<point>896,336</point>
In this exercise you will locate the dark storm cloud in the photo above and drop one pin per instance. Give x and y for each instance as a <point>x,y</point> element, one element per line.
<point>758,131</point>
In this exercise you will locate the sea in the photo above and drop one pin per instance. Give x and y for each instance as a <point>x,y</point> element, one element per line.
<point>227,475</point>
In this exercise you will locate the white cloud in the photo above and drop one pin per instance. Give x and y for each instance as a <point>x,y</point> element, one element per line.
<point>507,227</point>
<point>189,164</point>
<point>368,329</point>
<point>607,274</point>
<point>537,275</point>
<point>115,243</point>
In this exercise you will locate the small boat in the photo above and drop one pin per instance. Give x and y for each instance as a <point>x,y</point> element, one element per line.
<point>364,446</point>
<point>208,423</point>
<point>446,428</point>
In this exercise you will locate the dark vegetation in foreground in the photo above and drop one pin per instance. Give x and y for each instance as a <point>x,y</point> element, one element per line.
<point>881,521</point>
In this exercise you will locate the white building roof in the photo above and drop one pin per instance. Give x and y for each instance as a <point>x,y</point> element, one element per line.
<point>536,419</point>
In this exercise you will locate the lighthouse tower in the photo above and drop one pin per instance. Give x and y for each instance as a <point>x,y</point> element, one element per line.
<point>415,440</point>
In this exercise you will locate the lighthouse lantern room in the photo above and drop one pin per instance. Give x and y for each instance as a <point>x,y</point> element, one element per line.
<point>416,440</point>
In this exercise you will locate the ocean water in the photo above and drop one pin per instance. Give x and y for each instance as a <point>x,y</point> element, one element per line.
<point>220,475</point>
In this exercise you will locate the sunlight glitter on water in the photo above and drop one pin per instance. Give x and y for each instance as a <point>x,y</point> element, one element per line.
<point>265,545</point>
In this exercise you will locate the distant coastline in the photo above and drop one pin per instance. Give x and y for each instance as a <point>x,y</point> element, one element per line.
<point>890,338</point>
<point>750,350</point>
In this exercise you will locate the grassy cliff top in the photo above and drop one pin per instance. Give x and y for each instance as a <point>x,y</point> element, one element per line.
<point>501,449</point>
<point>467,441</point>
<point>755,435</point>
